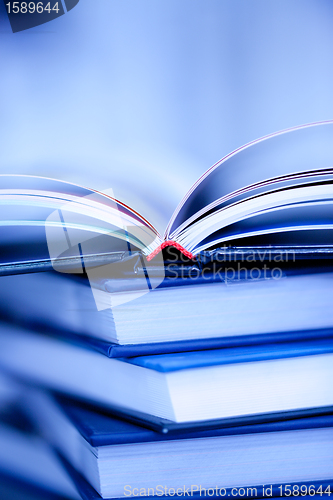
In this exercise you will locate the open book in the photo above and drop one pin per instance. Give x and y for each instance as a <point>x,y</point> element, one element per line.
<point>277,190</point>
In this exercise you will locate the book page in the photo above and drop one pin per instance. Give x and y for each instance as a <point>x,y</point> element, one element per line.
<point>42,218</point>
<point>296,151</point>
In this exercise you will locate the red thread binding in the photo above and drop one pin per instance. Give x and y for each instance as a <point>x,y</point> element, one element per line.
<point>170,243</point>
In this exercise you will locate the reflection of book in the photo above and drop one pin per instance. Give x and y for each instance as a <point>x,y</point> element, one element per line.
<point>179,388</point>
<point>30,469</point>
<point>277,190</point>
<point>120,459</point>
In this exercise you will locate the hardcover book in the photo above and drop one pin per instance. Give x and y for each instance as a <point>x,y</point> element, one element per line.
<point>120,460</point>
<point>170,391</point>
<point>183,317</point>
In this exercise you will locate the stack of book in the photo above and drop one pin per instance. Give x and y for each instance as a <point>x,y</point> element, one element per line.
<point>136,365</point>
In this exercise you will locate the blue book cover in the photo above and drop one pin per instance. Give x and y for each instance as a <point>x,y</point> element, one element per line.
<point>113,350</point>
<point>104,428</point>
<point>165,427</point>
<point>182,361</point>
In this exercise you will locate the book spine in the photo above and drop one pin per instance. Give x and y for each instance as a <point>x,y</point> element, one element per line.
<point>169,243</point>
